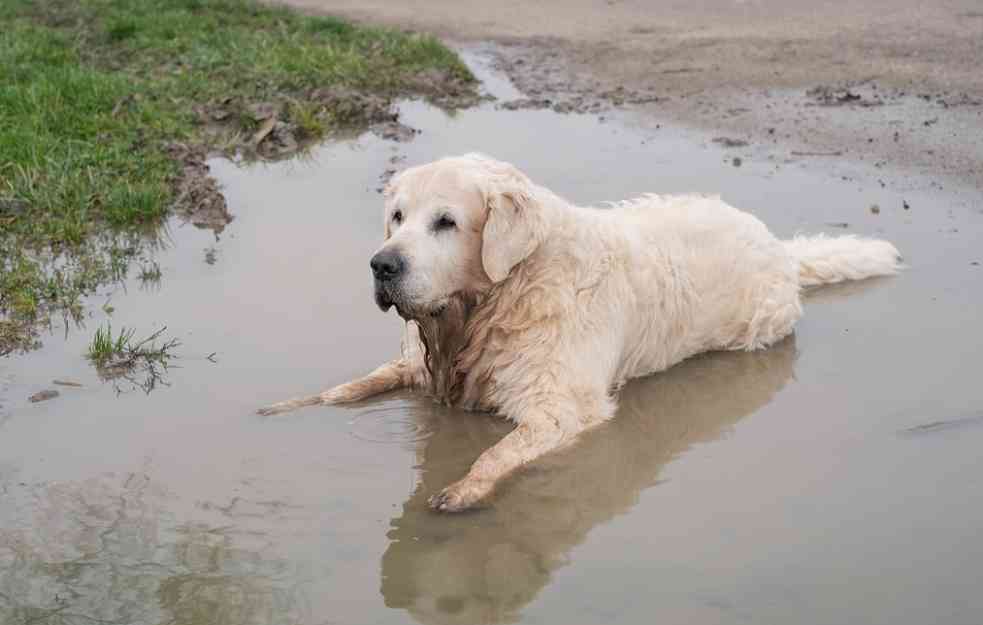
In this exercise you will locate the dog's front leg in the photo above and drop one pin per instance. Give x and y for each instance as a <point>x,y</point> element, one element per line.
<point>534,437</point>
<point>388,377</point>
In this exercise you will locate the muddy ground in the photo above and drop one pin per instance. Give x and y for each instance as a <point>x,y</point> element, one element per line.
<point>904,75</point>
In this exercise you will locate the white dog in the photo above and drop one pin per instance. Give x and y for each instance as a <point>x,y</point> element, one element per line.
<point>521,303</point>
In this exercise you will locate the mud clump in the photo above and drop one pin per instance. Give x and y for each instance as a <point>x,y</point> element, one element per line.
<point>44,395</point>
<point>70,383</point>
<point>574,104</point>
<point>728,142</point>
<point>394,131</point>
<point>825,95</point>
<point>389,172</point>
<point>348,107</point>
<point>274,137</point>
<point>445,89</point>
<point>581,102</point>
<point>527,103</point>
<point>198,197</point>
<point>620,96</point>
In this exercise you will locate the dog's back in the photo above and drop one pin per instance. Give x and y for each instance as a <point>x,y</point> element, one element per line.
<point>701,275</point>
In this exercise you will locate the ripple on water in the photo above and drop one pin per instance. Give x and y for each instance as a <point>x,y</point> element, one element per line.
<point>390,423</point>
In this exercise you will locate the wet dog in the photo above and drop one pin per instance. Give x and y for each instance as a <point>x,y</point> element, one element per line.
<point>521,303</point>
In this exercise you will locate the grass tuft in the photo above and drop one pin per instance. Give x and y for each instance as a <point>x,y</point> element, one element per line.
<point>105,347</point>
<point>142,364</point>
<point>121,352</point>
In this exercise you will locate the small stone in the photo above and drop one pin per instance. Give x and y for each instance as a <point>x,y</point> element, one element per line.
<point>43,396</point>
<point>728,142</point>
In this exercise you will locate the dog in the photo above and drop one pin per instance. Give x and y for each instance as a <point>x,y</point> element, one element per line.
<point>523,304</point>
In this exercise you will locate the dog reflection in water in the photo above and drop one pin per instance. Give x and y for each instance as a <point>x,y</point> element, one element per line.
<point>486,566</point>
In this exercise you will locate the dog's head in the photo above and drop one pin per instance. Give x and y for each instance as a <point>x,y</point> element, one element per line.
<point>453,226</point>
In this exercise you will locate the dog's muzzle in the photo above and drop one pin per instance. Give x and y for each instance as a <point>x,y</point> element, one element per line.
<point>388,268</point>
<point>383,298</point>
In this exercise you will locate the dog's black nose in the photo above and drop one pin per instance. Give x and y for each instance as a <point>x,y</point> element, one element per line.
<point>387,265</point>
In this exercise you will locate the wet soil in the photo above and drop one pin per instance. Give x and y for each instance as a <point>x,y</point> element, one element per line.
<point>748,68</point>
<point>346,111</point>
<point>832,478</point>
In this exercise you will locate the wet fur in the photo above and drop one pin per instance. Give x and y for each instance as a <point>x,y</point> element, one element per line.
<point>540,310</point>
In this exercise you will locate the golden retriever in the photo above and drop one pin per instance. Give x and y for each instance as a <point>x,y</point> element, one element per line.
<point>524,304</point>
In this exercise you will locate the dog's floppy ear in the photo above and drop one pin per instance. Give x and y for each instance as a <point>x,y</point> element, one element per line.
<point>515,226</point>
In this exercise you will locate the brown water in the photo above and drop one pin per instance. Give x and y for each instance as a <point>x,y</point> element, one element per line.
<point>836,478</point>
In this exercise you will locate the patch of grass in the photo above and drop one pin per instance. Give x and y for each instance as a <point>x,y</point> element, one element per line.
<point>92,93</point>
<point>142,364</point>
<point>150,273</point>
<point>105,347</point>
<point>119,351</point>
<point>309,117</point>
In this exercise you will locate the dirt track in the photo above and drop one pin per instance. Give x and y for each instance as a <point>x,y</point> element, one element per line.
<point>743,68</point>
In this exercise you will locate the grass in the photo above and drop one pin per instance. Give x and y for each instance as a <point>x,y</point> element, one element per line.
<point>92,92</point>
<point>121,351</point>
<point>105,347</point>
<point>118,357</point>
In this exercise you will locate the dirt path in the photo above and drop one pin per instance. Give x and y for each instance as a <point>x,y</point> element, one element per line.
<point>896,82</point>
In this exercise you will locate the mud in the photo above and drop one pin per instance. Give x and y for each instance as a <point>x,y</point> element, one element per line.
<point>830,479</point>
<point>345,111</point>
<point>751,68</point>
<point>394,131</point>
<point>44,395</point>
<point>198,199</point>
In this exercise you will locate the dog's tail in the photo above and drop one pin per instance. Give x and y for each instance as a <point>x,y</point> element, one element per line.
<point>825,260</point>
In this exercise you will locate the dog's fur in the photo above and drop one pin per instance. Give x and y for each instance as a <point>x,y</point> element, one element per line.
<point>522,303</point>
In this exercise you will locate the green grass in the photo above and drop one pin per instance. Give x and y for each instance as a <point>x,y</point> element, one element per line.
<point>105,347</point>
<point>120,351</point>
<point>139,364</point>
<point>92,91</point>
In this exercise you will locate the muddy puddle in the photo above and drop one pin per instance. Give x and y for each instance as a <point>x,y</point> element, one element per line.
<point>836,478</point>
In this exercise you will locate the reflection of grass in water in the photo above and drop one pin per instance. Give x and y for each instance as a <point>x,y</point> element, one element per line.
<point>34,284</point>
<point>150,274</point>
<point>390,423</point>
<point>141,363</point>
<point>111,552</point>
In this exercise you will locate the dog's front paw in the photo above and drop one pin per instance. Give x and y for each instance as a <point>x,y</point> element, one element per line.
<point>274,409</point>
<point>461,495</point>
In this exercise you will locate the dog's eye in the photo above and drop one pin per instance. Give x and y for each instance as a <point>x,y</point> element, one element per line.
<point>445,222</point>
<point>398,217</point>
